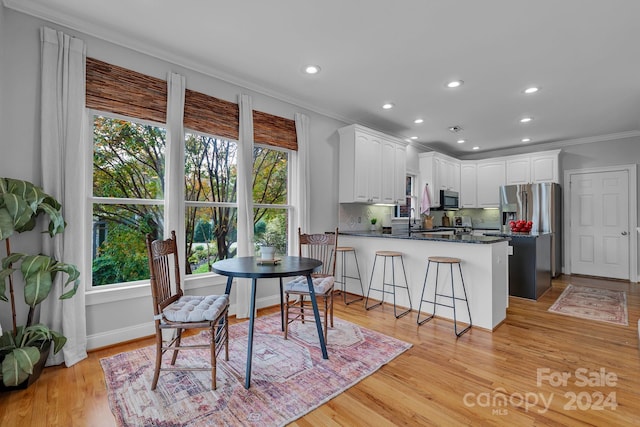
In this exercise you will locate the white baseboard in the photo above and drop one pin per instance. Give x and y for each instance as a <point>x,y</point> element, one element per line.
<point>116,336</point>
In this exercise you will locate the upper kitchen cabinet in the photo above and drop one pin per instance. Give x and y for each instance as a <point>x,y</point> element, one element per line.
<point>545,166</point>
<point>533,168</point>
<point>518,170</point>
<point>400,174</point>
<point>440,172</point>
<point>368,166</point>
<point>490,176</point>
<point>468,181</point>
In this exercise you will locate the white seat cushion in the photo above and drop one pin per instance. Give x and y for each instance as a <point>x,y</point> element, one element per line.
<point>192,308</point>
<point>320,284</point>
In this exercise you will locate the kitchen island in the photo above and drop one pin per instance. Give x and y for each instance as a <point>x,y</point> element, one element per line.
<point>484,266</point>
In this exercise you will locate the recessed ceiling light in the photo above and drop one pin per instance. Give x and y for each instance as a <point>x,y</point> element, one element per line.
<point>531,89</point>
<point>418,121</point>
<point>526,119</point>
<point>455,83</point>
<point>476,148</point>
<point>388,105</point>
<point>526,139</point>
<point>461,141</point>
<point>414,137</point>
<point>312,69</point>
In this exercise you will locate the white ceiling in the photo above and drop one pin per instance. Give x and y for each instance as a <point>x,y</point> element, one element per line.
<point>584,54</point>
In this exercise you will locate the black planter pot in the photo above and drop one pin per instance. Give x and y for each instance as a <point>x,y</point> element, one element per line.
<point>37,370</point>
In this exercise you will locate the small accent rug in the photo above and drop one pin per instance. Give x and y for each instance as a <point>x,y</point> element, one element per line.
<point>289,377</point>
<point>594,304</point>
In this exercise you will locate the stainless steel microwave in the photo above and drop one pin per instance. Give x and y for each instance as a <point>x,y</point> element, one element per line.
<point>449,199</point>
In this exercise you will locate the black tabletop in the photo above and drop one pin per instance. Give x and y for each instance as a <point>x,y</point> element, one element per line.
<point>248,267</point>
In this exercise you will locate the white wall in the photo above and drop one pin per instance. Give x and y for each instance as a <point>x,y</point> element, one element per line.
<point>20,158</point>
<point>20,154</point>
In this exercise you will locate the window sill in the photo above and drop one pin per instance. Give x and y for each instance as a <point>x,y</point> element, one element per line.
<point>142,290</point>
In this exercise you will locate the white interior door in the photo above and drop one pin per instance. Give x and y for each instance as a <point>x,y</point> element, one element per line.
<point>600,224</point>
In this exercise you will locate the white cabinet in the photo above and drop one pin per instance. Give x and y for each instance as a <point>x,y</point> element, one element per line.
<point>518,170</point>
<point>440,172</point>
<point>491,175</point>
<point>367,171</point>
<point>535,167</point>
<point>401,174</point>
<point>545,166</point>
<point>468,188</point>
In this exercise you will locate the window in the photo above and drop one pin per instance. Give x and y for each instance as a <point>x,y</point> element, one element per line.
<point>210,199</point>
<point>127,197</point>
<point>410,209</point>
<point>134,195</point>
<point>270,196</point>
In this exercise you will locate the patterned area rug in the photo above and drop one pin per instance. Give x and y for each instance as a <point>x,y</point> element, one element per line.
<point>594,304</point>
<point>289,377</point>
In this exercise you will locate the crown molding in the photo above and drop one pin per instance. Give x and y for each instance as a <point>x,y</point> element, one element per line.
<point>543,146</point>
<point>49,14</point>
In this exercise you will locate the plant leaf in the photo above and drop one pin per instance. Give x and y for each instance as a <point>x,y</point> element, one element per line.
<point>6,224</point>
<point>37,287</point>
<point>18,365</point>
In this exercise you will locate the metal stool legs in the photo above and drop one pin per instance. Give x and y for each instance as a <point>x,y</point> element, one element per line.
<point>452,297</point>
<point>344,277</point>
<point>393,285</point>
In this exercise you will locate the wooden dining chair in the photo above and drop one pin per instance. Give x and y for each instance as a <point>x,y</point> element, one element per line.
<point>322,247</point>
<point>178,312</point>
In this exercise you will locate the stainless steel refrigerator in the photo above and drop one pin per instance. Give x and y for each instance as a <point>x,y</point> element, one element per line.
<point>541,204</point>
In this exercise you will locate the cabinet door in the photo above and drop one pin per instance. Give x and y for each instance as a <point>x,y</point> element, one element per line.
<point>544,168</point>
<point>388,172</point>
<point>491,175</point>
<point>374,169</point>
<point>454,177</point>
<point>401,175</point>
<point>518,170</point>
<point>468,190</point>
<point>361,168</point>
<point>439,174</point>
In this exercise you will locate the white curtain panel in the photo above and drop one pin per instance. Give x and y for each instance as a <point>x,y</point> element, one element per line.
<point>245,201</point>
<point>63,176</point>
<point>302,194</point>
<point>174,208</point>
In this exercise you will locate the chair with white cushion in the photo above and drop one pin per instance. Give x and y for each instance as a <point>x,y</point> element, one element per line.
<point>174,310</point>
<point>321,247</point>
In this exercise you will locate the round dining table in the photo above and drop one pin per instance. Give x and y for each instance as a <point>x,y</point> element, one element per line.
<point>254,268</point>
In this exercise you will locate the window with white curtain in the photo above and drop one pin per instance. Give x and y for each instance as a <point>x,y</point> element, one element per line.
<point>129,189</point>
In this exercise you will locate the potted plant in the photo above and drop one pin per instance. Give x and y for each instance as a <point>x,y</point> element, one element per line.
<point>373,223</point>
<point>21,203</point>
<point>268,242</point>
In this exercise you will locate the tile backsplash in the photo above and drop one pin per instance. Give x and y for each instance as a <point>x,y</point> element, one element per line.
<point>357,216</point>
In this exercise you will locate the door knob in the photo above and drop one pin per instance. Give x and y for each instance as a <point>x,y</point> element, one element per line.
<point>624,233</point>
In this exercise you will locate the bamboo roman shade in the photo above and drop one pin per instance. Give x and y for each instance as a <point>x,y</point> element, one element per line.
<point>204,113</point>
<point>122,91</point>
<point>275,131</point>
<point>129,93</point>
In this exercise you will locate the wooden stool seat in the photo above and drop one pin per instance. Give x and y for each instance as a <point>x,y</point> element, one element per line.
<point>344,249</point>
<point>444,259</point>
<point>388,253</point>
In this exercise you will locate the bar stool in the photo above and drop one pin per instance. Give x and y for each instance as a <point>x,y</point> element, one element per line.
<point>451,261</point>
<point>392,255</point>
<point>343,251</point>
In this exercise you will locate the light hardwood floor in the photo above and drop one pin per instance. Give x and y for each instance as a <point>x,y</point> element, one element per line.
<point>439,381</point>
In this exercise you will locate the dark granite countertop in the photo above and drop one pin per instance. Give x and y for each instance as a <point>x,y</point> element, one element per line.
<point>515,234</point>
<point>431,236</point>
